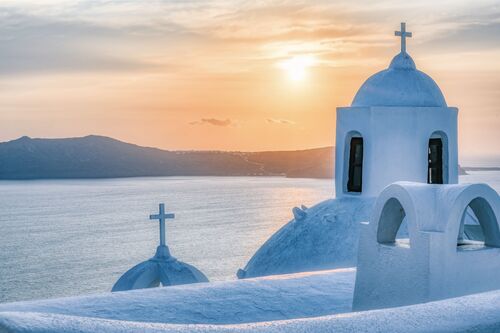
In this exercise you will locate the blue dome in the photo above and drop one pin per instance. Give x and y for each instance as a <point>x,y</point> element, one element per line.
<point>162,269</point>
<point>400,85</point>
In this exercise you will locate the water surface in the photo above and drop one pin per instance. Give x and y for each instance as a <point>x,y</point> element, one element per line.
<point>74,237</point>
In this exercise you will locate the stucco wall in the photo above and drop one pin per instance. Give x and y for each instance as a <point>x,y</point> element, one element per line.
<point>430,266</point>
<point>395,144</point>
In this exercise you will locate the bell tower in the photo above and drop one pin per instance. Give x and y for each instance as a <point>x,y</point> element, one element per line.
<point>397,128</point>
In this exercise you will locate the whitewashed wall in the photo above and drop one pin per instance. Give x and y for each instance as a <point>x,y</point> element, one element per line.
<point>395,141</point>
<point>430,266</point>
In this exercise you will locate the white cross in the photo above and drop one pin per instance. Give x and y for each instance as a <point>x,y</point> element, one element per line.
<point>162,217</point>
<point>403,33</point>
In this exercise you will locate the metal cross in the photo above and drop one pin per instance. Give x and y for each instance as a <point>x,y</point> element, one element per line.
<point>161,216</point>
<point>403,34</point>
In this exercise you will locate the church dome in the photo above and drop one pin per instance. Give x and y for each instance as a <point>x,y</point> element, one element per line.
<point>162,269</point>
<point>402,84</point>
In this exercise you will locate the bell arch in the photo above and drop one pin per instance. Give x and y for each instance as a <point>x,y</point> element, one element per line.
<point>353,162</point>
<point>438,158</point>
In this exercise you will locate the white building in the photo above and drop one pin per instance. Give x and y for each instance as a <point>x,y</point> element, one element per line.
<point>434,262</point>
<point>398,127</point>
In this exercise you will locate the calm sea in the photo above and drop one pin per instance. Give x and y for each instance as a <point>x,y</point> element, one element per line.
<point>73,237</point>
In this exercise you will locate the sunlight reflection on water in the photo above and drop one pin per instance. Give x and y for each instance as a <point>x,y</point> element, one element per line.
<point>71,237</point>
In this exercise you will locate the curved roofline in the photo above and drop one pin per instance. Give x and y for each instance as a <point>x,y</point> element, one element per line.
<point>400,85</point>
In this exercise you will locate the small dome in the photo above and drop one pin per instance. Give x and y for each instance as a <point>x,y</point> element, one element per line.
<point>400,85</point>
<point>161,269</point>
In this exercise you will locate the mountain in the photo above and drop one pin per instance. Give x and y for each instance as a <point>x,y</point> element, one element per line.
<point>310,163</point>
<point>102,157</point>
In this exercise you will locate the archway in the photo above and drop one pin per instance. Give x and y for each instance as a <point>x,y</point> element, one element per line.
<point>478,226</point>
<point>391,219</point>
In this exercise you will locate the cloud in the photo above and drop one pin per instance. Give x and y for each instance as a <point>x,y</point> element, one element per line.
<point>280,121</point>
<point>34,42</point>
<point>214,122</point>
<point>235,36</point>
<point>477,36</point>
<point>226,38</point>
<point>44,44</point>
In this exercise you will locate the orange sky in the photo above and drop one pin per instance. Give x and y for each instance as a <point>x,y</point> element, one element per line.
<point>217,74</point>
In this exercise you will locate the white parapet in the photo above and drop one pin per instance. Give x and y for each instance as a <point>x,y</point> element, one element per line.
<point>434,262</point>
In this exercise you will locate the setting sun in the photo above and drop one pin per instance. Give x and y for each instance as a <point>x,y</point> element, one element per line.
<point>296,67</point>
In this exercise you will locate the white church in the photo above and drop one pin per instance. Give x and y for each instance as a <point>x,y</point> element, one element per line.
<point>423,236</point>
<point>401,237</point>
<point>398,127</point>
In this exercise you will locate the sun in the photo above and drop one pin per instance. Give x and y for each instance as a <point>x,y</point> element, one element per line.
<point>297,66</point>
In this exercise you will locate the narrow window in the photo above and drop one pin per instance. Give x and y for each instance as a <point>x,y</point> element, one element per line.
<point>435,160</point>
<point>354,183</point>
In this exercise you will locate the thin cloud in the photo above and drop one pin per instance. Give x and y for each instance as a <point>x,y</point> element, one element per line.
<point>232,36</point>
<point>46,44</point>
<point>213,122</point>
<point>477,36</point>
<point>279,121</point>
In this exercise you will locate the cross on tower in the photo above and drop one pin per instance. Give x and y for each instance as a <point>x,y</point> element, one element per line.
<point>161,216</point>
<point>403,34</point>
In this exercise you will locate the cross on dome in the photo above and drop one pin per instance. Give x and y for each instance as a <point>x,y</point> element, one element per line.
<point>162,216</point>
<point>160,270</point>
<point>403,34</point>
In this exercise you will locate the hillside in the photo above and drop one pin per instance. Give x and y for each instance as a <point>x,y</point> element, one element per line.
<point>102,157</point>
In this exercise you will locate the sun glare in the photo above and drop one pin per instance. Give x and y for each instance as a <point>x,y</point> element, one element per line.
<point>296,67</point>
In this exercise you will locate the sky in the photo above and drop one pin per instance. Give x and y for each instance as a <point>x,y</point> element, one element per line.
<point>235,75</point>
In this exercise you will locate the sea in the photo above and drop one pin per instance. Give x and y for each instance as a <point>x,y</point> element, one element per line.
<point>73,237</point>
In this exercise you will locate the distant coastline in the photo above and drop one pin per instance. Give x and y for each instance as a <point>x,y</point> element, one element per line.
<point>481,168</point>
<point>103,157</point>
<point>95,157</point>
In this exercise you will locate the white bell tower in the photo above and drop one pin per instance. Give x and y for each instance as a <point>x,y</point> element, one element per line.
<point>398,127</point>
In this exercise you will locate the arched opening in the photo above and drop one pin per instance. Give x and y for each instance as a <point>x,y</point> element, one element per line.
<point>353,155</point>
<point>478,226</point>
<point>389,225</point>
<point>437,159</point>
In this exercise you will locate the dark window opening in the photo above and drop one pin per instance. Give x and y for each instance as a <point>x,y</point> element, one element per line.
<point>354,183</point>
<point>435,160</point>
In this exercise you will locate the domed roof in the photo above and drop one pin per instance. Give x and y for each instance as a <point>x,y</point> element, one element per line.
<point>400,85</point>
<point>161,269</point>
